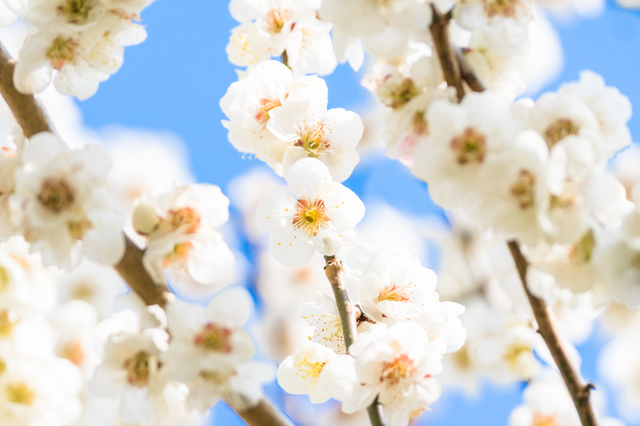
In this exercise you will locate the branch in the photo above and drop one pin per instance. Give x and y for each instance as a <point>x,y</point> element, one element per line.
<point>467,73</point>
<point>579,392</point>
<point>439,29</point>
<point>33,119</point>
<point>349,315</point>
<point>26,109</point>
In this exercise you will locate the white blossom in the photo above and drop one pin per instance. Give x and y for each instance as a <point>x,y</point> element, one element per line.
<point>313,213</point>
<point>299,373</point>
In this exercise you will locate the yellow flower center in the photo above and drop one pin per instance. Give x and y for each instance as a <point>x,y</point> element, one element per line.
<point>266,105</point>
<point>396,370</point>
<point>7,322</point>
<point>215,338</point>
<point>506,8</point>
<point>76,11</point>
<point>56,195</point>
<point>583,249</point>
<point>397,95</point>
<point>524,189</point>
<point>310,217</point>
<point>313,140</point>
<point>308,369</point>
<point>139,368</point>
<point>61,51</point>
<point>513,353</point>
<point>3,366</point>
<point>395,293</point>
<point>559,130</point>
<point>77,228</point>
<point>20,393</point>
<point>470,146</point>
<point>276,19</point>
<point>185,218</point>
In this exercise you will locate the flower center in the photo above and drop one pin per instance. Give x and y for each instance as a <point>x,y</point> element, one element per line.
<point>185,218</point>
<point>542,420</point>
<point>462,358</point>
<point>395,93</point>
<point>469,146</point>
<point>216,377</point>
<point>276,19</point>
<point>559,130</point>
<point>308,369</point>
<point>83,292</point>
<point>394,293</point>
<point>570,197</point>
<point>3,366</point>
<point>139,368</point>
<point>310,217</point>
<point>313,140</point>
<point>266,105</point>
<point>214,338</point>
<point>74,352</point>
<point>20,393</point>
<point>61,51</point>
<point>523,189</point>
<point>398,369</point>
<point>179,254</point>
<point>76,11</point>
<point>506,8</point>
<point>582,250</point>
<point>7,321</point>
<point>513,353</point>
<point>5,278</point>
<point>77,228</point>
<point>56,194</point>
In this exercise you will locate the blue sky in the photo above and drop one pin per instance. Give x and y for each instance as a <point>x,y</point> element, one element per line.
<point>174,80</point>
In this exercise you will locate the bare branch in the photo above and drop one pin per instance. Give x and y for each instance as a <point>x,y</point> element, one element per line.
<point>349,315</point>
<point>579,391</point>
<point>439,29</point>
<point>467,73</point>
<point>26,109</point>
<point>33,119</point>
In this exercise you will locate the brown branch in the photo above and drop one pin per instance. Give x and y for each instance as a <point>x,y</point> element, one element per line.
<point>439,29</point>
<point>579,391</point>
<point>346,309</point>
<point>349,316</point>
<point>26,109</point>
<point>33,119</point>
<point>264,414</point>
<point>467,73</point>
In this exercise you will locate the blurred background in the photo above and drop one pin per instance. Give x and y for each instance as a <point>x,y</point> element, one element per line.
<point>167,93</point>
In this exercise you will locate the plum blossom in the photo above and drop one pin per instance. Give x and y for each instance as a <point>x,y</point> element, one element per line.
<point>299,373</point>
<point>330,136</point>
<point>77,45</point>
<point>210,352</point>
<point>393,364</point>
<point>312,213</point>
<point>250,102</point>
<point>181,227</point>
<point>61,202</point>
<point>462,139</point>
<point>274,28</point>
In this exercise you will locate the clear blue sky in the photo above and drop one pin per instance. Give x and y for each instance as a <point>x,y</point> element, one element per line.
<point>174,80</point>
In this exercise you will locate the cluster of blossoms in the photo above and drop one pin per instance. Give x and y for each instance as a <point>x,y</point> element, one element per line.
<point>77,43</point>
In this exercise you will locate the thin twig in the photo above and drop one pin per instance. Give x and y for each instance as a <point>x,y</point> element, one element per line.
<point>285,58</point>
<point>579,391</point>
<point>467,73</point>
<point>33,119</point>
<point>346,309</point>
<point>439,29</point>
<point>349,315</point>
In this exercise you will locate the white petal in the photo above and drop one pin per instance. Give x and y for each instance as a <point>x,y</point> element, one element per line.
<point>276,211</point>
<point>292,248</point>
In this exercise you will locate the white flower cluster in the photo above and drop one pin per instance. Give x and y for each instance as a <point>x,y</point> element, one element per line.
<point>78,43</point>
<point>58,199</point>
<point>188,358</point>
